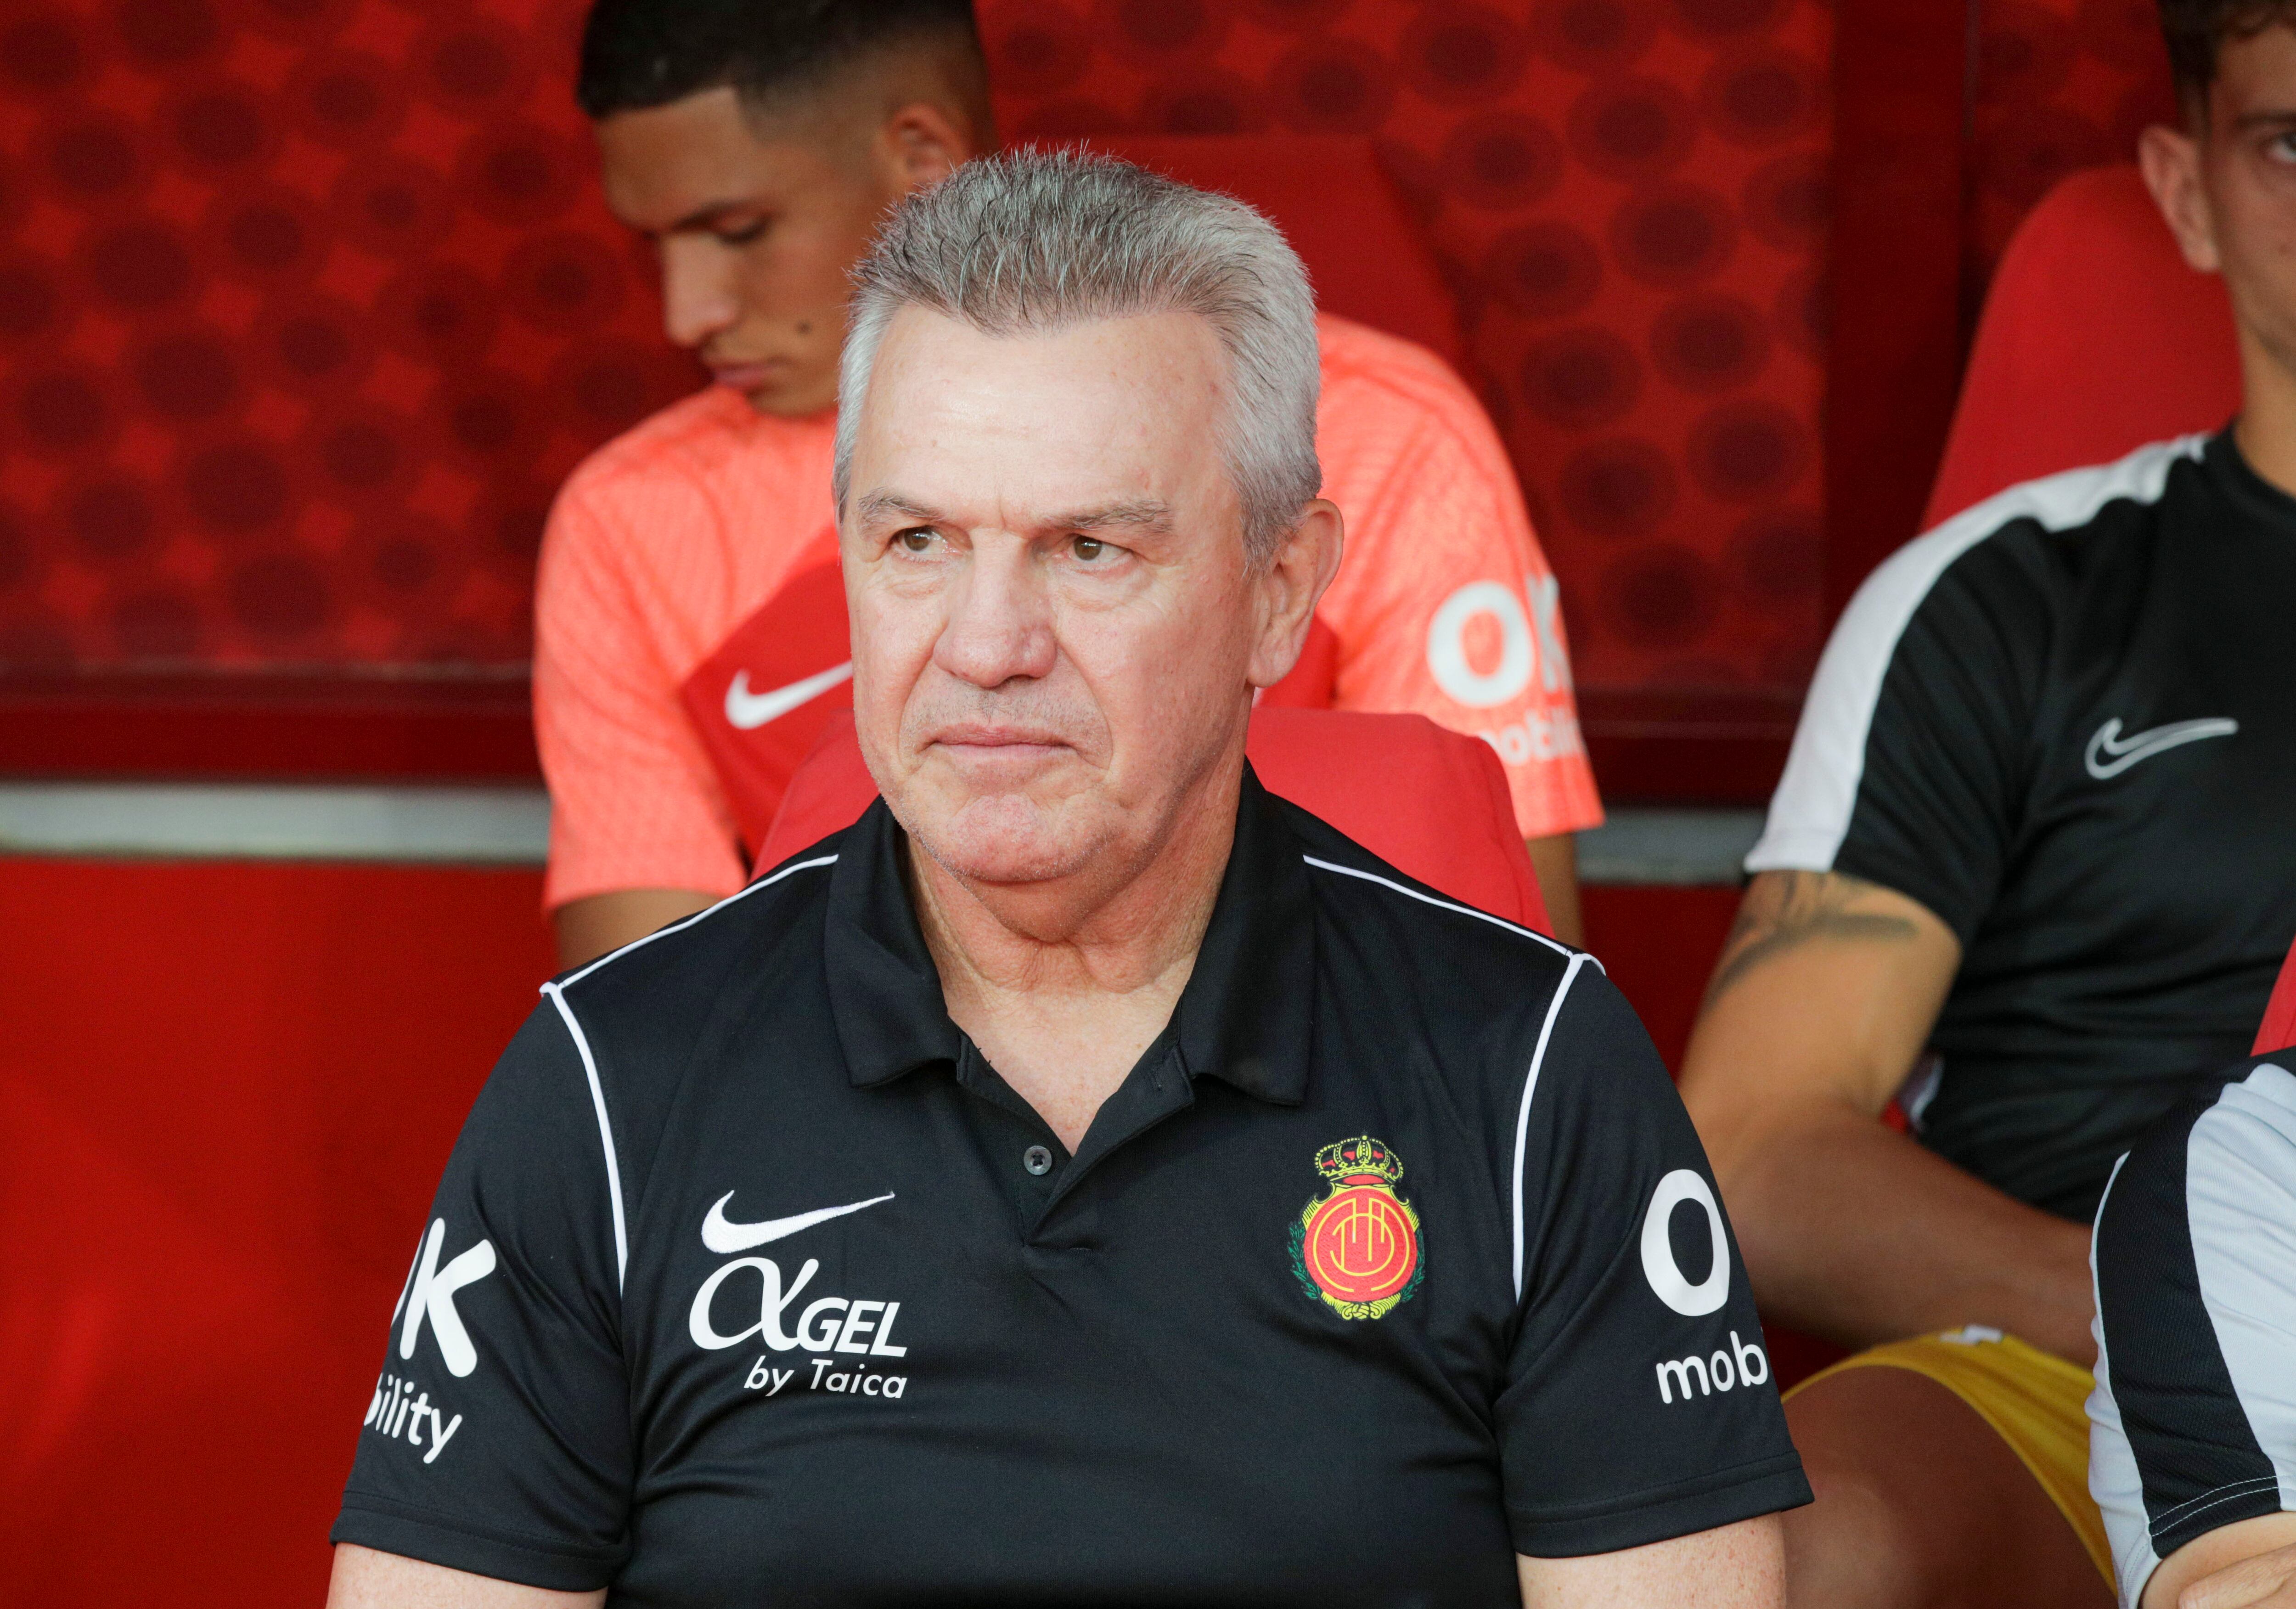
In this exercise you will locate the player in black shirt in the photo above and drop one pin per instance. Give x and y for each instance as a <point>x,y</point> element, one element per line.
<point>2030,869</point>
<point>1086,1179</point>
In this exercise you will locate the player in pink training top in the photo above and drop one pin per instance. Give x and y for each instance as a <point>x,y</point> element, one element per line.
<point>691,625</point>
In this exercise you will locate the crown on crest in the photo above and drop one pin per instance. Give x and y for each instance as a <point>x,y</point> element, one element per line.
<point>1359,1157</point>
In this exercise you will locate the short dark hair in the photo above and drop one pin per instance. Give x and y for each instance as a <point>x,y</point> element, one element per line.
<point>638,53</point>
<point>2197,29</point>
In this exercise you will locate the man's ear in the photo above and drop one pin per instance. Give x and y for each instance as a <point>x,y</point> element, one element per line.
<point>2171,162</point>
<point>920,145</point>
<point>1289,588</point>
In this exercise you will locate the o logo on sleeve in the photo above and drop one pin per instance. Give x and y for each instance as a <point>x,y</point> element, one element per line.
<point>1447,645</point>
<point>1658,1266</point>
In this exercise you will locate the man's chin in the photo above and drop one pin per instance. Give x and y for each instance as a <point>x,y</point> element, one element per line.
<point>1001,838</point>
<point>782,395</point>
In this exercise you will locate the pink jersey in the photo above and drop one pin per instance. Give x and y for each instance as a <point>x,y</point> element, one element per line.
<point>691,635</point>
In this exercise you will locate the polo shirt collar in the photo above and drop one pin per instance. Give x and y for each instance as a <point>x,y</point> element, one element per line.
<point>1245,1016</point>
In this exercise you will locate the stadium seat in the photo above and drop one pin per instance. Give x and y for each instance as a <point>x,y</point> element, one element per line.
<point>1430,802</point>
<point>2096,338</point>
<point>2279,1029</point>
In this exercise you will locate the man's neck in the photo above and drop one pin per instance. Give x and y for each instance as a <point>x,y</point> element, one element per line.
<point>1063,984</point>
<point>2266,432</point>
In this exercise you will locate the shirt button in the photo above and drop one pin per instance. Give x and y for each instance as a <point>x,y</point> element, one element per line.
<point>1037,1160</point>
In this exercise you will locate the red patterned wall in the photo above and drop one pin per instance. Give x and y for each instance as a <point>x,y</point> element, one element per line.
<point>308,304</point>
<point>2060,84</point>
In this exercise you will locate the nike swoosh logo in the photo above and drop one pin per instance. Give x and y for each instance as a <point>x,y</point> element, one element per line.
<point>748,710</point>
<point>2110,753</point>
<point>722,1237</point>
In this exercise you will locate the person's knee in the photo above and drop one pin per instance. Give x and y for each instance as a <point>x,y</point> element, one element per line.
<point>1852,1548</point>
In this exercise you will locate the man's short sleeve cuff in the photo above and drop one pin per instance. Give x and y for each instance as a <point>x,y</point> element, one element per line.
<point>414,1533</point>
<point>1683,1509</point>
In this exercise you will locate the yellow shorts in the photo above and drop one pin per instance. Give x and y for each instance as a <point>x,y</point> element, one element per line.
<point>2034,1400</point>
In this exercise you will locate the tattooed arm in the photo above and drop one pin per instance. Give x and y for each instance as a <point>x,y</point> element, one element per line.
<point>1824,995</point>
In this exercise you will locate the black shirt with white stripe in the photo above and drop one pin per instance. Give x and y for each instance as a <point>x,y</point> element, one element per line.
<point>2194,1418</point>
<point>2063,722</point>
<point>750,1280</point>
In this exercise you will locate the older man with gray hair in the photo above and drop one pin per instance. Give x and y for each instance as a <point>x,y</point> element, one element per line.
<point>1085,1178</point>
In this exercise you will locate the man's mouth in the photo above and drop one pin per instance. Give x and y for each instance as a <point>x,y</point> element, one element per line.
<point>978,746</point>
<point>750,375</point>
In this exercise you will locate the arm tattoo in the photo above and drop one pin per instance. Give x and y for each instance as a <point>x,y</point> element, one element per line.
<point>1784,910</point>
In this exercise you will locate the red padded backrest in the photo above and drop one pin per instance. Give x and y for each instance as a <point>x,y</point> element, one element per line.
<point>1368,257</point>
<point>1375,778</point>
<point>2279,1027</point>
<point>2097,339</point>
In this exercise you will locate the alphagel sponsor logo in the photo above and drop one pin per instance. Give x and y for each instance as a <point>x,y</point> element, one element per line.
<point>828,1324</point>
<point>1743,1364</point>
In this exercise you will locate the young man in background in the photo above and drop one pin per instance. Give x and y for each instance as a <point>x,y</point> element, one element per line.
<point>691,634</point>
<point>2034,835</point>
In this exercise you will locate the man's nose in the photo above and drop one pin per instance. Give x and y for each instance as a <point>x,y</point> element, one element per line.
<point>698,292</point>
<point>999,625</point>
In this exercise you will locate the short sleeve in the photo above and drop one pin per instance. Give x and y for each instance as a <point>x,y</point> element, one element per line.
<point>634,801</point>
<point>2194,1417</point>
<point>1910,760</point>
<point>1639,1403</point>
<point>1445,605</point>
<point>498,1437</point>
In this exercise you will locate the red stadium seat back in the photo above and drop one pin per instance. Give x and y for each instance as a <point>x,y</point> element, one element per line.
<point>2097,339</point>
<point>1430,802</point>
<point>2279,1029</point>
<point>1366,253</point>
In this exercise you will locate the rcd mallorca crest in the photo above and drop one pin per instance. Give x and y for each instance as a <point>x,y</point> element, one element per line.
<point>1356,1250</point>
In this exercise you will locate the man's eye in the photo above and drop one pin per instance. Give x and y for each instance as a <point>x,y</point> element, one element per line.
<point>1089,549</point>
<point>917,538</point>
<point>2282,146</point>
<point>743,236</point>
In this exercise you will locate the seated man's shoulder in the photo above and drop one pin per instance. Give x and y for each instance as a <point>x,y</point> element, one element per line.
<point>1429,938</point>
<point>661,989</point>
<point>2229,1152</point>
<point>1369,375</point>
<point>702,443</point>
<point>2072,518</point>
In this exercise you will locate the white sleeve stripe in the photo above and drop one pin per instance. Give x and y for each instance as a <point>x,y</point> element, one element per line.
<point>676,927</point>
<point>1465,910</point>
<point>2239,1191</point>
<point>1522,1114</point>
<point>2114,1481</point>
<point>605,1133</point>
<point>1810,812</point>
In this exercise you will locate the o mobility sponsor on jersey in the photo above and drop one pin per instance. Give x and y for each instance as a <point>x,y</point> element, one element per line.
<point>400,1409</point>
<point>1743,1363</point>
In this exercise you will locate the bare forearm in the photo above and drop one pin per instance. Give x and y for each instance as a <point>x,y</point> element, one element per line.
<point>589,928</point>
<point>1853,1231</point>
<point>1737,1566</point>
<point>1555,860</point>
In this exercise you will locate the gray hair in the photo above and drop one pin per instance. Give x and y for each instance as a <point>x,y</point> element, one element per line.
<point>1031,242</point>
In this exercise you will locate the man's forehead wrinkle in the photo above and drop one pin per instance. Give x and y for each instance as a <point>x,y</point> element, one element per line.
<point>878,504</point>
<point>1150,514</point>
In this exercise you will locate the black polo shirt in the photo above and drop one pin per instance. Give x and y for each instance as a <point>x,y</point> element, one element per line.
<point>750,1281</point>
